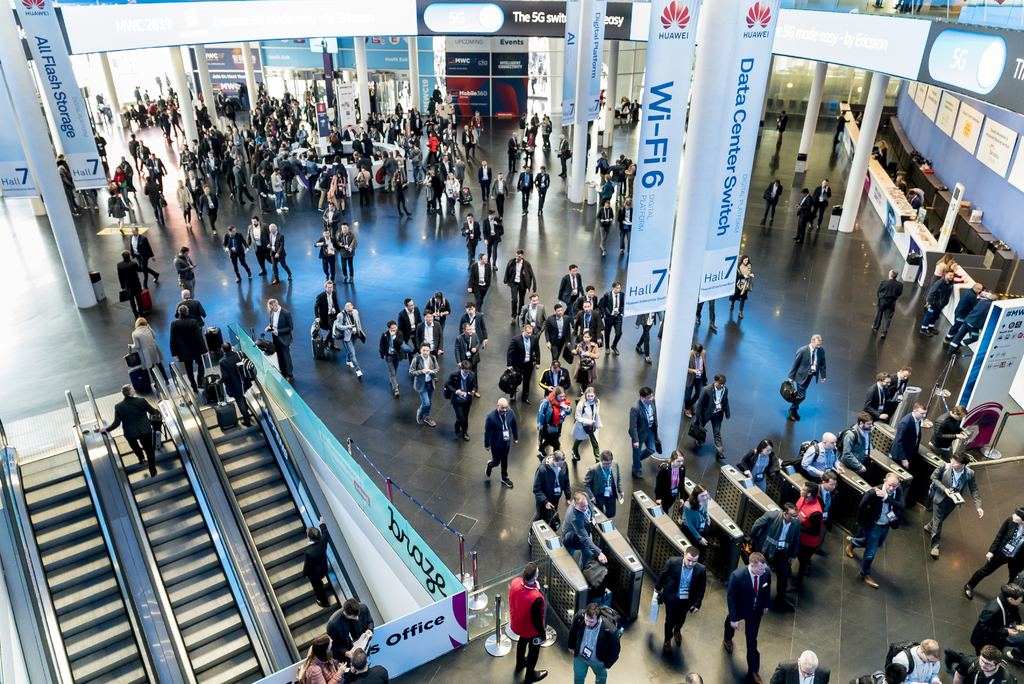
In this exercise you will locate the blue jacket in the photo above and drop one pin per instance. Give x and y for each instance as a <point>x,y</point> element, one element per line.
<point>743,604</point>
<point>976,318</point>
<point>493,430</point>
<point>967,301</point>
<point>907,440</point>
<point>692,518</point>
<point>576,533</point>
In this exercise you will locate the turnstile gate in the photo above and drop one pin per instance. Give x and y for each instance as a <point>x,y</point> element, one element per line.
<point>748,502</point>
<point>625,569</point>
<point>725,538</point>
<point>849,490</point>
<point>567,588</point>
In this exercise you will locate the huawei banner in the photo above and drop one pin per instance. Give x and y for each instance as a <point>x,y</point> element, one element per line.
<point>54,66</point>
<point>594,42</point>
<point>670,49</point>
<point>15,179</point>
<point>741,114</point>
<point>572,46</point>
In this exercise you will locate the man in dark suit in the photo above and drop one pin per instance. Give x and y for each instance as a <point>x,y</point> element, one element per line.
<point>889,291</point>
<point>776,534</point>
<point>611,307</point>
<point>681,588</point>
<point>328,253</point>
<point>647,321</point>
<point>713,405</point>
<point>484,175</point>
<point>258,239</point>
<point>643,428</point>
<point>819,200</point>
<point>135,413</point>
<point>347,624</point>
<point>231,379</point>
<point>571,288</point>
<point>315,566</point>
<point>277,254</point>
<point>430,332</point>
<point>479,280</point>
<point>588,320</point>
<point>908,436</point>
<point>563,153</point>
<point>492,232</point>
<point>500,432</point>
<point>188,345</point>
<point>543,182</point>
<point>804,211</point>
<point>995,625</point>
<point>194,306</point>
<point>749,588</point>
<point>209,204</point>
<point>968,300</point>
<point>471,231</point>
<point>525,187</point>
<point>462,388</point>
<point>513,153</point>
<point>142,252</point>
<point>897,388</point>
<point>875,399</point>
<point>361,671</point>
<point>326,310</point>
<point>879,510</point>
<point>808,363</point>
<point>520,280</point>
<point>577,531</point>
<point>558,329</point>
<point>408,320</point>
<point>938,298</point>
<point>476,320</point>
<point>281,328</point>
<point>804,669</point>
<point>949,480</point>
<point>498,191</point>
<point>128,277</point>
<point>523,354</point>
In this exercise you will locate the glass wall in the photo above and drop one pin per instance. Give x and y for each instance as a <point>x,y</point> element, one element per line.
<point>790,86</point>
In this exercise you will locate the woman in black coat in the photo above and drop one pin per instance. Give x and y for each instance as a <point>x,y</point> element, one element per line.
<point>670,481</point>
<point>760,463</point>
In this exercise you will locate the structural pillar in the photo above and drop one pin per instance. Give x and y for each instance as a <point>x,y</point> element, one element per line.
<point>578,172</point>
<point>555,62</point>
<point>209,96</point>
<point>362,79</point>
<point>414,72</point>
<point>611,92</point>
<point>811,117</point>
<point>862,154</point>
<point>40,158</point>
<point>715,43</point>
<point>113,100</point>
<point>188,112</point>
<point>250,75</point>
<point>865,86</point>
<point>767,95</point>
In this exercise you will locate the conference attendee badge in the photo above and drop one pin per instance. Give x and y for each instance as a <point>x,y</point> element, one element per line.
<point>558,490</point>
<point>608,489</point>
<point>506,435</point>
<point>586,652</point>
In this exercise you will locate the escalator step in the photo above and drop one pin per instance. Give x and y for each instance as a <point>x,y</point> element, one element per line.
<point>74,551</point>
<point>257,517</point>
<point>184,525</point>
<point>95,665</point>
<point>55,494</point>
<point>262,459</point>
<point>180,548</point>
<point>304,634</point>
<point>308,612</point>
<point>284,574</point>
<point>186,568</point>
<point>159,491</point>
<point>64,514</point>
<point>132,673</point>
<point>255,480</point>
<point>242,669</point>
<point>101,610</point>
<point>71,576</point>
<point>59,534</point>
<point>51,475</point>
<point>293,552</point>
<point>46,464</point>
<point>158,512</point>
<point>197,587</point>
<point>295,591</point>
<point>84,594</point>
<point>139,474</point>
<point>276,492</point>
<point>219,436</point>
<point>195,611</point>
<point>216,626</point>
<point>240,444</point>
<point>222,648</point>
<point>100,636</point>
<point>288,532</point>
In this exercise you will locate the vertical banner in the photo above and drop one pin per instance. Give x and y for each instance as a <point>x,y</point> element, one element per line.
<point>15,179</point>
<point>670,51</point>
<point>572,46</point>
<point>595,57</point>
<point>346,105</point>
<point>329,78</point>
<point>72,124</point>
<point>741,114</point>
<point>951,214</point>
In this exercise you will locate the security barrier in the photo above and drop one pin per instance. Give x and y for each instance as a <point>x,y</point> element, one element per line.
<point>725,539</point>
<point>785,485</point>
<point>921,468</point>
<point>879,465</point>
<point>882,435</point>
<point>625,570</point>
<point>653,534</point>
<point>567,589</point>
<point>752,502</point>
<point>849,491</point>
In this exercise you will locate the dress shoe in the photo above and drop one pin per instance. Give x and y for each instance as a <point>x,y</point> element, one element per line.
<point>882,336</point>
<point>615,351</point>
<point>677,635</point>
<point>465,436</point>
<point>868,581</point>
<point>849,547</point>
<point>968,592</point>
<point>323,604</point>
<point>667,649</point>
<point>755,678</point>
<point>638,475</point>
<point>537,676</point>
<point>489,467</point>
<point>575,456</point>
<point>647,359</point>
<point>741,315</point>
<point>688,413</point>
<point>728,644</point>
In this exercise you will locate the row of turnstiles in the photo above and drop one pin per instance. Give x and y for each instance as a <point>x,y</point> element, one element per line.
<point>653,536</point>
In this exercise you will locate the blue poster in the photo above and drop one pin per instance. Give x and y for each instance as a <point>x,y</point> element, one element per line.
<point>468,63</point>
<point>510,64</point>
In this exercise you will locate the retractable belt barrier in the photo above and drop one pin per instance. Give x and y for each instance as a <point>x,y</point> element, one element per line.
<point>785,485</point>
<point>625,570</point>
<point>879,465</point>
<point>725,538</point>
<point>749,501</point>
<point>849,490</point>
<point>567,590</point>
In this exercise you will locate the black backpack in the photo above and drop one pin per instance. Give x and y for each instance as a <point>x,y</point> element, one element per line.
<point>841,438</point>
<point>510,381</point>
<point>804,446</point>
<point>898,647</point>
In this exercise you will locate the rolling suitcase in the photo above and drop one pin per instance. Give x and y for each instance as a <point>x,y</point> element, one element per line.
<point>319,345</point>
<point>227,417</point>
<point>139,378</point>
<point>147,301</point>
<point>214,339</point>
<point>466,196</point>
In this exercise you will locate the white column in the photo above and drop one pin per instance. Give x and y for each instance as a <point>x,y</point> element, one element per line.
<point>556,64</point>
<point>55,139</point>
<point>715,43</point>
<point>40,157</point>
<point>610,93</point>
<point>813,106</point>
<point>250,75</point>
<point>767,94</point>
<point>112,99</point>
<point>578,172</point>
<point>209,97</point>
<point>414,71</point>
<point>362,78</point>
<point>188,112</point>
<point>862,154</point>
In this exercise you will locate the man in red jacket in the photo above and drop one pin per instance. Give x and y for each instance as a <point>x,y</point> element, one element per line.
<point>526,613</point>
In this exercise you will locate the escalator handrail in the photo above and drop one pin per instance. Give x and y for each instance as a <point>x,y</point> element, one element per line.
<point>189,398</point>
<point>131,607</point>
<point>261,647</point>
<point>308,511</point>
<point>3,435</point>
<point>58,665</point>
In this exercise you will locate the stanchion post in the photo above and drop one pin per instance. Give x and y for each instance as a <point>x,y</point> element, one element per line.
<point>990,451</point>
<point>550,635</point>
<point>498,644</point>
<point>389,490</point>
<point>478,600</point>
<point>462,560</point>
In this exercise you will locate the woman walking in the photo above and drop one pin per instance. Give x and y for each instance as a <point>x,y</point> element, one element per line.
<point>115,206</point>
<point>588,353</point>
<point>760,463</point>
<point>185,202</point>
<point>588,423</point>
<point>744,284</point>
<point>144,344</point>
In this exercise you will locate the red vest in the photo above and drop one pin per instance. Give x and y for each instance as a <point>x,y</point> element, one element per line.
<point>807,509</point>
<point>520,600</point>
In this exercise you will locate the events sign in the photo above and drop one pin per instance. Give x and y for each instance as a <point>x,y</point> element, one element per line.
<point>545,18</point>
<point>968,127</point>
<point>996,148</point>
<point>951,214</point>
<point>470,94</point>
<point>670,53</point>
<point>949,107</point>
<point>748,78</point>
<point>71,114</point>
<point>572,46</point>
<point>931,102</point>
<point>15,178</point>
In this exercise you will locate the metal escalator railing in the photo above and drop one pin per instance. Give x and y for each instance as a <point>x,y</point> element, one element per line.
<point>180,387</point>
<point>130,607</point>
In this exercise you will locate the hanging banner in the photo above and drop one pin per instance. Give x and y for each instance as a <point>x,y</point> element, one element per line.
<point>670,51</point>
<point>572,46</point>
<point>595,51</point>
<point>72,124</point>
<point>15,179</point>
<point>346,105</point>
<point>748,78</point>
<point>951,214</point>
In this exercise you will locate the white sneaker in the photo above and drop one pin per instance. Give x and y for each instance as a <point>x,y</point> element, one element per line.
<point>359,374</point>
<point>279,211</point>
<point>350,364</point>
<point>285,208</point>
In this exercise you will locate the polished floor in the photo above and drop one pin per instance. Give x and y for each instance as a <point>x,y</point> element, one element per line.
<point>825,285</point>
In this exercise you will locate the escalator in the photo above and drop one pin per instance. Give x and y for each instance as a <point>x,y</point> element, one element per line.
<point>87,591</point>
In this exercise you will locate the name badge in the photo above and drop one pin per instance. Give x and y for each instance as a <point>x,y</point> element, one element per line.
<point>684,594</point>
<point>781,545</point>
<point>608,489</point>
<point>759,477</point>
<point>891,516</point>
<point>824,515</point>
<point>506,435</point>
<point>558,490</point>
<point>675,491</point>
<point>586,652</point>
